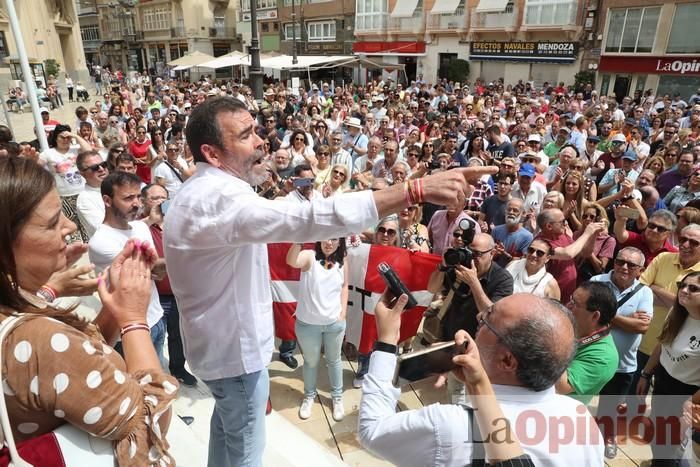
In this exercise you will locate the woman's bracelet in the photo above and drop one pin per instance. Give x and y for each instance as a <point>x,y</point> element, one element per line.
<point>645,375</point>
<point>47,292</point>
<point>134,327</point>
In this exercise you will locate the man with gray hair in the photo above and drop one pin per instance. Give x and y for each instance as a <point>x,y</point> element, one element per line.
<point>525,344</point>
<point>635,308</point>
<point>656,236</point>
<point>338,154</point>
<point>512,239</point>
<point>382,168</point>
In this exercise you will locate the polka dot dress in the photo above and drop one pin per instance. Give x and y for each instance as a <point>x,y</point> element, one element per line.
<point>53,374</point>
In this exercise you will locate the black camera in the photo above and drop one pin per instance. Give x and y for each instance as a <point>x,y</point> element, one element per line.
<point>453,257</point>
<point>433,165</point>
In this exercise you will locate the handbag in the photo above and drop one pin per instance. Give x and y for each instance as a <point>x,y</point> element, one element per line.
<point>432,320</point>
<point>66,446</point>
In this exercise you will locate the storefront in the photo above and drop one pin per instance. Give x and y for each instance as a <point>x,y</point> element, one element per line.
<point>537,61</point>
<point>405,53</point>
<point>624,74</point>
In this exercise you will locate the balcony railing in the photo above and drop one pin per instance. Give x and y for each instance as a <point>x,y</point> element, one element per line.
<point>414,24</point>
<point>92,44</point>
<point>376,22</point>
<point>455,21</point>
<point>222,32</point>
<point>507,19</point>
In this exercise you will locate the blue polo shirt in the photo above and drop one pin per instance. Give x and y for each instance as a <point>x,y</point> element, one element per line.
<point>627,343</point>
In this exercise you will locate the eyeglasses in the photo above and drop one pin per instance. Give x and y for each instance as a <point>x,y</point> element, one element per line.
<point>693,243</point>
<point>621,262</point>
<point>535,251</point>
<point>412,154</point>
<point>479,254</point>
<point>338,172</point>
<point>692,288</point>
<point>657,227</point>
<point>483,322</point>
<point>385,231</point>
<point>96,167</point>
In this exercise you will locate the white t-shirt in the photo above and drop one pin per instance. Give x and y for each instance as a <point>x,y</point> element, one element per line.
<point>69,182</point>
<point>318,301</point>
<point>682,358</point>
<point>91,209</point>
<point>172,181</point>
<point>106,244</point>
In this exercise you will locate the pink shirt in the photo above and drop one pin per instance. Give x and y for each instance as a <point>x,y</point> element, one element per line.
<point>441,231</point>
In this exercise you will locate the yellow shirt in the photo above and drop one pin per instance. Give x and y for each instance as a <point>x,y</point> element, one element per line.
<point>665,270</point>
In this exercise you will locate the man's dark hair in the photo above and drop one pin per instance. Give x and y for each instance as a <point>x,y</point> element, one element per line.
<point>124,157</point>
<point>146,189</point>
<point>5,134</point>
<point>533,342</point>
<point>494,129</point>
<point>301,168</point>
<point>507,178</point>
<point>82,155</point>
<point>600,298</point>
<point>118,179</point>
<point>203,126</point>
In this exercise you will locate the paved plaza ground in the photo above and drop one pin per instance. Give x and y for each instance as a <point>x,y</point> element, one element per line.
<point>319,441</point>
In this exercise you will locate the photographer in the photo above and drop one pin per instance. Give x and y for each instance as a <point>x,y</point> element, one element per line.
<point>476,283</point>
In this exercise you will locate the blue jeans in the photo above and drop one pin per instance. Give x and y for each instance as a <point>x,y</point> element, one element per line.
<point>310,338</point>
<point>172,320</point>
<point>158,339</point>
<point>237,429</point>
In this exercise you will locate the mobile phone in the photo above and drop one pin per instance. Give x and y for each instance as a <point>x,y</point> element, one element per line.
<point>424,363</point>
<point>629,213</point>
<point>164,206</point>
<point>303,182</point>
<point>396,287</point>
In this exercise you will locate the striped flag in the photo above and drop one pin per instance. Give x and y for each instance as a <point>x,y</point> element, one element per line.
<point>366,287</point>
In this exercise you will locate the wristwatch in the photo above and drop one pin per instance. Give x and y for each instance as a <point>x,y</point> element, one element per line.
<point>384,347</point>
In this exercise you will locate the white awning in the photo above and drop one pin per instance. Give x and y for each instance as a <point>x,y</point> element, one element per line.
<point>491,6</point>
<point>404,8</point>
<point>445,7</point>
<point>228,60</point>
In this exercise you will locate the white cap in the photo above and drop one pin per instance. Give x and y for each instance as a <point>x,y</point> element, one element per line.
<point>619,137</point>
<point>534,137</point>
<point>43,109</point>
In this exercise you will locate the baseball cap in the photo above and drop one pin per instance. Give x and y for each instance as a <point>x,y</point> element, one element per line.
<point>594,139</point>
<point>630,122</point>
<point>43,109</point>
<point>565,130</point>
<point>527,170</point>
<point>630,155</point>
<point>534,137</point>
<point>620,138</point>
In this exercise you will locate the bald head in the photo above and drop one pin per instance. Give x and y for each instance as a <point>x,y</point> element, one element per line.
<point>483,242</point>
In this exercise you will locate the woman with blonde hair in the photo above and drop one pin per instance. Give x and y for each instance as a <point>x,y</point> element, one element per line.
<point>655,164</point>
<point>604,247</point>
<point>412,234</point>
<point>336,182</point>
<point>574,190</point>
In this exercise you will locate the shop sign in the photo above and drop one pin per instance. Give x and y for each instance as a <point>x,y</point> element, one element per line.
<point>322,48</point>
<point>531,51</point>
<point>689,66</point>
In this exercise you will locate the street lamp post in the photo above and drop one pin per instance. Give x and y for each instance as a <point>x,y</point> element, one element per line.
<point>294,35</point>
<point>256,82</point>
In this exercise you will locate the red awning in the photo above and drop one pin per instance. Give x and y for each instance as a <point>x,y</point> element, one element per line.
<point>388,48</point>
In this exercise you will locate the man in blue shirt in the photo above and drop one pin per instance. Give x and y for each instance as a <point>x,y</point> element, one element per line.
<point>635,309</point>
<point>511,238</point>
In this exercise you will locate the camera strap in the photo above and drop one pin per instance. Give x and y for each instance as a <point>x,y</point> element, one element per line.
<point>594,337</point>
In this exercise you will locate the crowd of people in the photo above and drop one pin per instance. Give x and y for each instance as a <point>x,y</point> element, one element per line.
<point>575,218</point>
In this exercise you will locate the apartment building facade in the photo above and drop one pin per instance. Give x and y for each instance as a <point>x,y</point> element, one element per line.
<point>529,40</point>
<point>50,30</point>
<point>652,44</point>
<point>323,27</point>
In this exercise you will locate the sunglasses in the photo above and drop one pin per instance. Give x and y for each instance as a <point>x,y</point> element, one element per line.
<point>324,154</point>
<point>479,254</point>
<point>298,139</point>
<point>693,243</point>
<point>338,172</point>
<point>589,216</point>
<point>535,251</point>
<point>96,167</point>
<point>621,262</point>
<point>385,231</point>
<point>692,288</point>
<point>657,227</point>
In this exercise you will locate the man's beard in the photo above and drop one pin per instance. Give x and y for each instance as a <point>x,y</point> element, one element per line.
<point>512,221</point>
<point>255,173</point>
<point>127,216</point>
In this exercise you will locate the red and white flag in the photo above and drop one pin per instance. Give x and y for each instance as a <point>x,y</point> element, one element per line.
<point>366,287</point>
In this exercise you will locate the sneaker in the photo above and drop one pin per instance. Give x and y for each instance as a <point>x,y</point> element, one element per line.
<point>186,378</point>
<point>610,449</point>
<point>357,382</point>
<point>290,361</point>
<point>338,409</point>
<point>306,406</point>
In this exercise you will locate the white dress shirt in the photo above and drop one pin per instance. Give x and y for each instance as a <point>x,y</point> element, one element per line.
<point>441,435</point>
<point>215,235</point>
<point>91,209</point>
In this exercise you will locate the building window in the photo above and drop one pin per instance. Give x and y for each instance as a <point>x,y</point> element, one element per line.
<point>265,27</point>
<point>685,34</point>
<point>262,4</point>
<point>632,30</point>
<point>322,31</point>
<point>4,52</point>
<point>288,34</point>
<point>156,19</point>
<point>90,33</point>
<point>550,12</point>
<point>371,15</point>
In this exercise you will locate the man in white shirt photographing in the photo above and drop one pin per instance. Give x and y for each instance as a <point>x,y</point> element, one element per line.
<point>215,235</point>
<point>525,343</point>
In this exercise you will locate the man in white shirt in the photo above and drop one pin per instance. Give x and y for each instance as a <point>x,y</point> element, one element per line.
<point>216,233</point>
<point>338,154</point>
<point>527,189</point>
<point>90,206</point>
<point>525,344</point>
<point>121,192</point>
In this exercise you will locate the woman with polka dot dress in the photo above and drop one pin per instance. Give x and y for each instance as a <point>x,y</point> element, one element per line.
<point>56,367</point>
